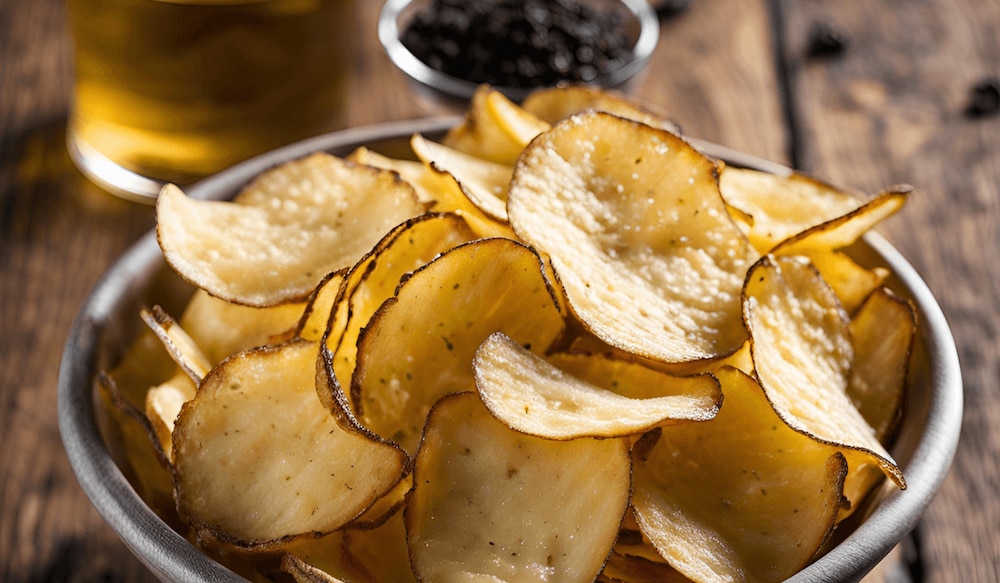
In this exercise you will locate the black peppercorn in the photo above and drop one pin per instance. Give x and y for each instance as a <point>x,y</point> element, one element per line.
<point>826,41</point>
<point>518,43</point>
<point>984,98</point>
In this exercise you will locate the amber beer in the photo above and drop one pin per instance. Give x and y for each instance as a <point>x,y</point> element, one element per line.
<point>175,90</point>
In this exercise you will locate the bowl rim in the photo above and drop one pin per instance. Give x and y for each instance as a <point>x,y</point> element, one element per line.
<point>413,67</point>
<point>172,558</point>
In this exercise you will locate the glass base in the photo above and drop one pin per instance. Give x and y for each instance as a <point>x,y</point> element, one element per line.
<point>110,176</point>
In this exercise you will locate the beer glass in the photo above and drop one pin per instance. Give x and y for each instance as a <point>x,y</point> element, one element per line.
<point>173,90</point>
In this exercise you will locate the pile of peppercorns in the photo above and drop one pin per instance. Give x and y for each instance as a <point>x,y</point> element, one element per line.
<point>518,43</point>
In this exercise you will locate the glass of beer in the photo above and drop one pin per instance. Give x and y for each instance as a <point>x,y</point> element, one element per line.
<point>173,90</point>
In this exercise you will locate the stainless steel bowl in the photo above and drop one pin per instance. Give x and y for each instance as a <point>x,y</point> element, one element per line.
<point>108,323</point>
<point>642,28</point>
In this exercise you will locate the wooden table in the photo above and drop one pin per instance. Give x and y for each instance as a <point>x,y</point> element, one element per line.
<point>890,107</point>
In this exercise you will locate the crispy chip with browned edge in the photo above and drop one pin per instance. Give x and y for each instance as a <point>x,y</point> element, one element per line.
<point>221,328</point>
<point>493,504</point>
<point>803,356</point>
<point>178,343</point>
<point>483,182</point>
<point>494,128</point>
<point>258,460</point>
<point>534,396</point>
<point>742,497</point>
<point>290,227</point>
<point>420,344</point>
<point>557,103</point>
<point>638,235</point>
<point>375,278</point>
<point>782,206</point>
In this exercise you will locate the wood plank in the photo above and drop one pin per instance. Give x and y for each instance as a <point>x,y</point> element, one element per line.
<point>57,234</point>
<point>891,108</point>
<point>714,73</point>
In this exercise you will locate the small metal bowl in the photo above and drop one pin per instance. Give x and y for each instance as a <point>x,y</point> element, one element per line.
<point>641,26</point>
<point>108,324</point>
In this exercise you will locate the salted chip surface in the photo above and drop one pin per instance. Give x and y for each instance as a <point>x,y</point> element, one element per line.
<point>534,396</point>
<point>493,504</point>
<point>742,497</point>
<point>638,235</point>
<point>290,227</point>
<point>802,352</point>
<point>420,344</point>
<point>259,460</point>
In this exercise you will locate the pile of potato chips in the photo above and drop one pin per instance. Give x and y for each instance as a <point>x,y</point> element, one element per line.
<point>559,344</point>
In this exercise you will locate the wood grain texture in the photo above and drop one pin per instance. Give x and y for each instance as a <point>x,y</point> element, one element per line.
<point>890,108</point>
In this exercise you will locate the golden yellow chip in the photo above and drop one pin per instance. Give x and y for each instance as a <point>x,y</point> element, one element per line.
<point>221,328</point>
<point>375,278</point>
<point>420,344</point>
<point>179,344</point>
<point>556,104</point>
<point>164,403</point>
<point>285,231</point>
<point>381,552</point>
<point>844,230</point>
<point>883,333</point>
<point>492,504</point>
<point>494,129</point>
<point>638,235</point>
<point>534,396</point>
<point>483,182</point>
<point>782,206</point>
<point>742,497</point>
<point>258,460</point>
<point>803,356</point>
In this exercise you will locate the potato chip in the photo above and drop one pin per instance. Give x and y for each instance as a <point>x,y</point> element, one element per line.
<point>412,171</point>
<point>558,103</point>
<point>493,129</point>
<point>632,569</point>
<point>375,278</point>
<point>638,235</point>
<point>303,571</point>
<point>381,552</point>
<point>492,504</point>
<point>483,182</point>
<point>221,328</point>
<point>318,311</point>
<point>533,396</point>
<point>258,460</point>
<point>285,231</point>
<point>420,344</point>
<point>742,497</point>
<point>164,403</point>
<point>851,282</point>
<point>803,355</point>
<point>782,206</point>
<point>882,333</point>
<point>844,230</point>
<point>179,344</point>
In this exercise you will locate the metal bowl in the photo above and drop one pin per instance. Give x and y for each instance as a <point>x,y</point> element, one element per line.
<point>641,25</point>
<point>108,323</point>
